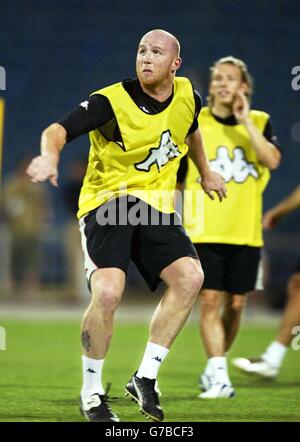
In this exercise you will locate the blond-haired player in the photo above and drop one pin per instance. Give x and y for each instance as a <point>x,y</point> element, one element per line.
<point>239,145</point>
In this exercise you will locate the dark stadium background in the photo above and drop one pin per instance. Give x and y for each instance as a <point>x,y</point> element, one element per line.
<point>56,52</point>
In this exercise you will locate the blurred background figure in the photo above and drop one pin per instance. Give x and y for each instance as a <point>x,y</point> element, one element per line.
<point>49,64</point>
<point>25,211</point>
<point>75,277</point>
<point>269,363</point>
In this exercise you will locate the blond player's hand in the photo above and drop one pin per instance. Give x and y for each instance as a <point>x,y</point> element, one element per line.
<point>214,182</point>
<point>241,107</point>
<point>43,168</point>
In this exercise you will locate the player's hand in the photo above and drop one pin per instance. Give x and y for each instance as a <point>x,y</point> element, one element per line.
<point>213,182</point>
<point>241,107</point>
<point>43,168</point>
<point>271,219</point>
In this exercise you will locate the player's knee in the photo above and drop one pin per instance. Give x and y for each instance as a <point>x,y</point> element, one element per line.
<point>106,297</point>
<point>210,304</point>
<point>192,281</point>
<point>188,280</point>
<point>187,286</point>
<point>238,305</point>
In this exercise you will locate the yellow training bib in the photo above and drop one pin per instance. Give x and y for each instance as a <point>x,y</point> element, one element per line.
<point>237,219</point>
<point>145,163</point>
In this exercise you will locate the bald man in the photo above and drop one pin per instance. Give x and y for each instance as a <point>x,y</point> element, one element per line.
<point>139,130</point>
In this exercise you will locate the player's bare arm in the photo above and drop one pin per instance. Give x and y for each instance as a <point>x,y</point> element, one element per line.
<point>267,153</point>
<point>274,215</point>
<point>210,181</point>
<point>45,166</point>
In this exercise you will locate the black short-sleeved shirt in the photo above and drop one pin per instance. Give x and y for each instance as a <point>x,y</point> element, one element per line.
<point>96,112</point>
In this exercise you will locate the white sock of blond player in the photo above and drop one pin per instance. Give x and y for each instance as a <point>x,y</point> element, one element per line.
<point>217,368</point>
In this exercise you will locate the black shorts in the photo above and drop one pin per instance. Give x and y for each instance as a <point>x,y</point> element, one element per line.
<point>150,247</point>
<point>227,267</point>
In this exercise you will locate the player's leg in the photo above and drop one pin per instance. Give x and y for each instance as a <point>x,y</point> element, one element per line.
<point>215,380</point>
<point>107,253</point>
<point>165,253</point>
<point>212,257</point>
<point>218,333</point>
<point>291,314</point>
<point>211,324</point>
<point>276,351</point>
<point>212,331</point>
<point>234,305</point>
<point>107,286</point>
<point>183,278</point>
<point>240,269</point>
<point>268,364</point>
<point>241,277</point>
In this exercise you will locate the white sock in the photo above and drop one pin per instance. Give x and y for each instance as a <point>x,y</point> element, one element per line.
<point>153,357</point>
<point>208,369</point>
<point>91,376</point>
<point>217,367</point>
<point>274,354</point>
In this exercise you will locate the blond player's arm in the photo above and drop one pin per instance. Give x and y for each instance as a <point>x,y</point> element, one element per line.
<point>45,166</point>
<point>267,153</point>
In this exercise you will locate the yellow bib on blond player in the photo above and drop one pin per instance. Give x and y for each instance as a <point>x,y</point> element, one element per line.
<point>146,162</point>
<point>237,219</point>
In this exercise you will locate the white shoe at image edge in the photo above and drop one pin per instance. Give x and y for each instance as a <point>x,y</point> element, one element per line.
<point>255,366</point>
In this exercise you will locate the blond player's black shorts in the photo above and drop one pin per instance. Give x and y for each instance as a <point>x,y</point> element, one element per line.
<point>151,246</point>
<point>230,268</point>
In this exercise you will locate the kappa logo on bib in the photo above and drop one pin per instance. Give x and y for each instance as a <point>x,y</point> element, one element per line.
<point>237,169</point>
<point>161,155</point>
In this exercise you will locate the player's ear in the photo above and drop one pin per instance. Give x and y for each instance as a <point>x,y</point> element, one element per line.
<point>176,64</point>
<point>244,88</point>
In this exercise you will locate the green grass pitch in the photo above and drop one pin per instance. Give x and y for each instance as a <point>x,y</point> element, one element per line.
<point>41,376</point>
